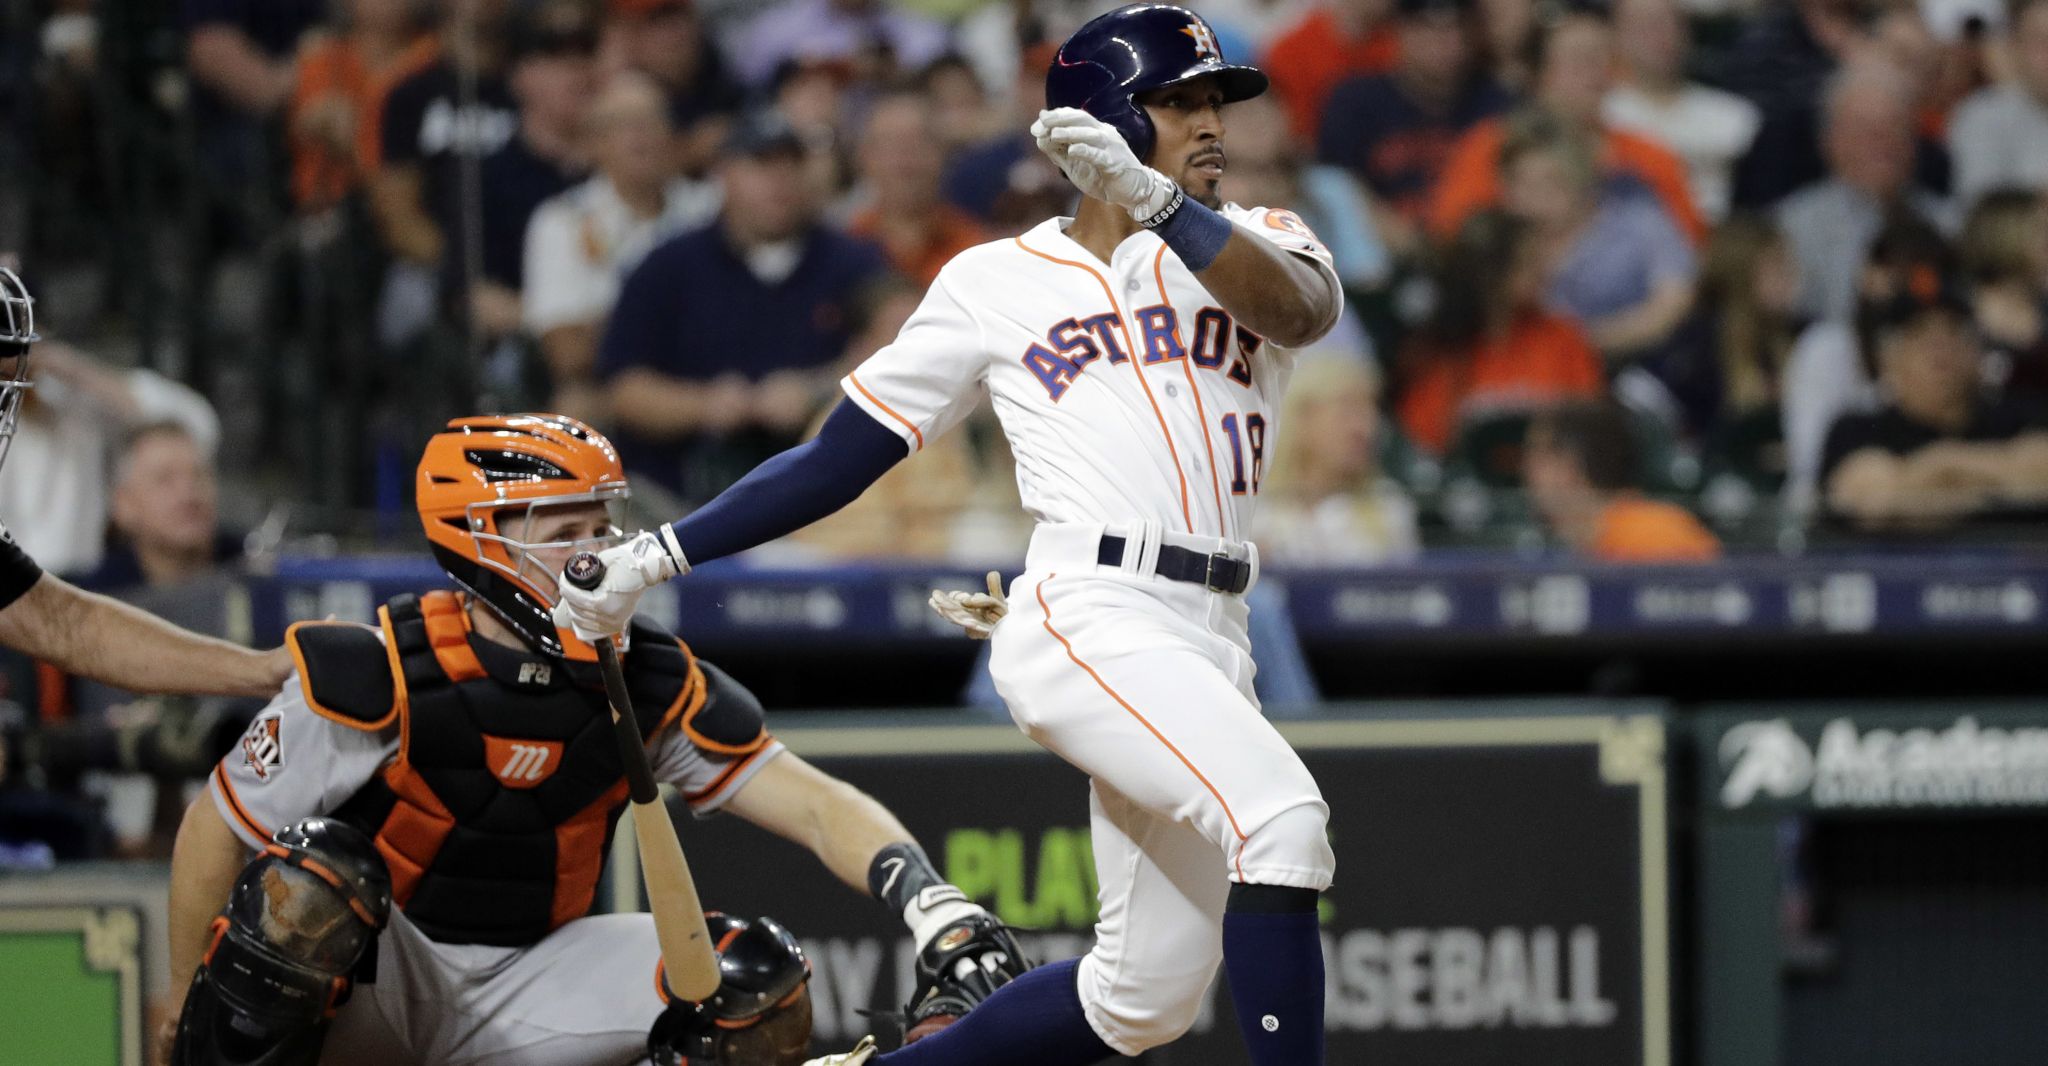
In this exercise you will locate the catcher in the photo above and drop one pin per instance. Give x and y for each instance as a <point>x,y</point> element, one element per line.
<point>462,755</point>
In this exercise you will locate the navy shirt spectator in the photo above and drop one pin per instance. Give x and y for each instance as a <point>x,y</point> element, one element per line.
<point>720,349</point>
<point>1395,130</point>
<point>430,126</point>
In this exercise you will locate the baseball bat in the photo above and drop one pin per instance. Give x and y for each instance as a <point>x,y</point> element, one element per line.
<point>687,955</point>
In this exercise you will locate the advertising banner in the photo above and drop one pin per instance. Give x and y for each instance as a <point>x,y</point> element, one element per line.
<point>1929,758</point>
<point>1500,895</point>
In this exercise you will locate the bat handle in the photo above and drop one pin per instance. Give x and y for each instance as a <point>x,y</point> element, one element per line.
<point>585,571</point>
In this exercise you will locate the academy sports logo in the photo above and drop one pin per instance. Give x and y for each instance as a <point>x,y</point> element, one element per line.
<point>1938,763</point>
<point>522,763</point>
<point>1205,41</point>
<point>263,744</point>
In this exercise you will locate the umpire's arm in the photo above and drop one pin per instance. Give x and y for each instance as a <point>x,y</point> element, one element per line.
<point>108,641</point>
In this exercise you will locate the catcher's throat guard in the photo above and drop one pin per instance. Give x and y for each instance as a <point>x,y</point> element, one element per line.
<point>285,949</point>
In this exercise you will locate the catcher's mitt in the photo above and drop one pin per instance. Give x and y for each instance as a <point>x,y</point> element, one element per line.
<point>959,968</point>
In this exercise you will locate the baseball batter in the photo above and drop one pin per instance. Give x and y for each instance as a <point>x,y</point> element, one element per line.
<point>442,787</point>
<point>1135,355</point>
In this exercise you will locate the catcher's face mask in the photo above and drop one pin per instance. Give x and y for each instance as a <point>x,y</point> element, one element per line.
<point>506,499</point>
<point>17,332</point>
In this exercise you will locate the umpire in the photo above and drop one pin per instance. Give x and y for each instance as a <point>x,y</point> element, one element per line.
<point>87,634</point>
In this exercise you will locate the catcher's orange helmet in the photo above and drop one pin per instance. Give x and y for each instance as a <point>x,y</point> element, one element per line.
<point>479,482</point>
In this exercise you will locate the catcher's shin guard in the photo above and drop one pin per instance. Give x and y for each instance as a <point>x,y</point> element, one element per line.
<point>285,949</point>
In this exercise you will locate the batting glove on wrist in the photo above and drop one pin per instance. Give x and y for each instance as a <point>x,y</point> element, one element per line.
<point>975,612</point>
<point>1095,157</point>
<point>644,561</point>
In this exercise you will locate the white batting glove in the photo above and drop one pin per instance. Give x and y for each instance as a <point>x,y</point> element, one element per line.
<point>646,560</point>
<point>1096,159</point>
<point>975,612</point>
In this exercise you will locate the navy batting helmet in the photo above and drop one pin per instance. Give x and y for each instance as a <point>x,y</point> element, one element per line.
<point>1109,61</point>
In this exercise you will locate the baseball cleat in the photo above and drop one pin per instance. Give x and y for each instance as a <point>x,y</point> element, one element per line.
<point>861,1053</point>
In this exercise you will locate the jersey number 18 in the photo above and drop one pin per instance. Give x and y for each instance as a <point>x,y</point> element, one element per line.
<point>1254,434</point>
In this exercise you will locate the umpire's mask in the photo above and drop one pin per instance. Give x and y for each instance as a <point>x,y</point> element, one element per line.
<point>17,332</point>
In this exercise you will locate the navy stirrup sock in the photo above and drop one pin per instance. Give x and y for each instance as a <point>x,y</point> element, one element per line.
<point>1273,952</point>
<point>1035,1020</point>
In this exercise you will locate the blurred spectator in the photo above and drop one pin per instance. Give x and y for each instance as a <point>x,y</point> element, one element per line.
<point>1937,454</point>
<point>242,51</point>
<point>1574,64</point>
<point>668,41</point>
<point>54,493</point>
<point>1395,130</point>
<point>1732,353</point>
<point>819,99</point>
<point>2003,252</point>
<point>550,73</point>
<point>1708,128</point>
<point>899,161</point>
<point>961,114</point>
<point>1833,367</point>
<point>873,34</point>
<point>168,557</point>
<point>1488,344</point>
<point>1781,62</point>
<point>1338,39</point>
<point>1583,468</point>
<point>955,499</point>
<point>1508,25</point>
<point>1008,164</point>
<point>1265,167</point>
<point>337,104</point>
<point>437,124</point>
<point>1868,140</point>
<point>1325,501</point>
<point>163,514</point>
<point>720,347</point>
<point>240,55</point>
<point>1999,137</point>
<point>581,243</point>
<point>1618,265</point>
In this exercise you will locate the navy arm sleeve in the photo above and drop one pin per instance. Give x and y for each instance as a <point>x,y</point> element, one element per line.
<point>796,488</point>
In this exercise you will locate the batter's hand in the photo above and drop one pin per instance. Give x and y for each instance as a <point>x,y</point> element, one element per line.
<point>975,612</point>
<point>646,560</point>
<point>1096,159</point>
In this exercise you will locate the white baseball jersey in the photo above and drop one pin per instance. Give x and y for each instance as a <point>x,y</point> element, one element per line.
<point>1127,392</point>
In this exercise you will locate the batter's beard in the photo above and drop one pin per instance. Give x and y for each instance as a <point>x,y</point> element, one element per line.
<point>1209,199</point>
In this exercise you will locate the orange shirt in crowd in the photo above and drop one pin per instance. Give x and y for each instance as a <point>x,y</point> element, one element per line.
<point>1306,63</point>
<point>953,231</point>
<point>334,65</point>
<point>1634,529</point>
<point>1471,179</point>
<point>1542,359</point>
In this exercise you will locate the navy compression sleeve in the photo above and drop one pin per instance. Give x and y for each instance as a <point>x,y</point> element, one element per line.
<point>795,488</point>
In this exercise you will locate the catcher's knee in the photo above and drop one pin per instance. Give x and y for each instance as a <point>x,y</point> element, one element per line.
<point>1292,848</point>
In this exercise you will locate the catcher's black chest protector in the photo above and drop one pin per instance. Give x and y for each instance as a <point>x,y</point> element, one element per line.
<point>496,812</point>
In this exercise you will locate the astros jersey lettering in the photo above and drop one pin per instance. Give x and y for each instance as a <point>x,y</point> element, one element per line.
<point>1127,392</point>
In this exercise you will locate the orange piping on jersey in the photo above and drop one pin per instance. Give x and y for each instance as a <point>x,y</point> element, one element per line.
<point>306,683</point>
<point>661,980</point>
<point>1136,358</point>
<point>886,409</point>
<point>1201,415</point>
<point>227,792</point>
<point>727,775</point>
<point>1039,590</point>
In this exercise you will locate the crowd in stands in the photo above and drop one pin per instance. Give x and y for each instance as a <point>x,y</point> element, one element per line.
<point>1796,249</point>
<point>1644,280</point>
